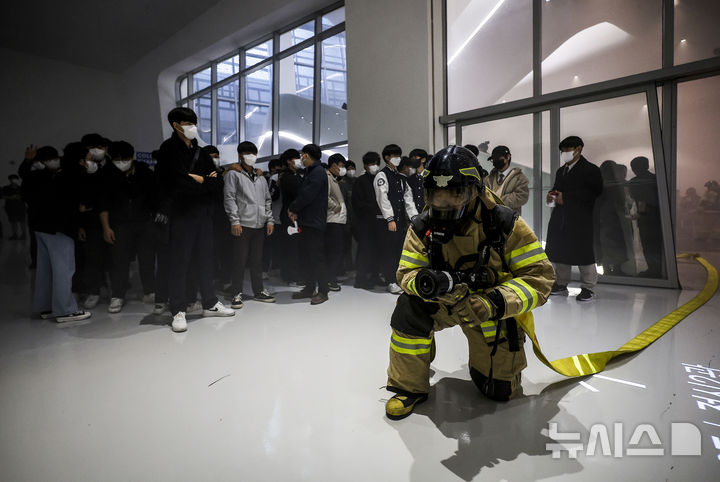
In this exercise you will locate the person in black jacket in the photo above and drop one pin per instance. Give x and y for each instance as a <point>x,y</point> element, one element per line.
<point>189,185</point>
<point>310,209</point>
<point>127,207</point>
<point>53,205</point>
<point>289,181</point>
<point>570,238</point>
<point>91,252</point>
<point>369,224</point>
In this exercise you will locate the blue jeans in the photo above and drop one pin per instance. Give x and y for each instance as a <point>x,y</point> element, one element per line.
<point>53,277</point>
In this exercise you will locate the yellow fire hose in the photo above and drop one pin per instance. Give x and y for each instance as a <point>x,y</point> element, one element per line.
<point>590,363</point>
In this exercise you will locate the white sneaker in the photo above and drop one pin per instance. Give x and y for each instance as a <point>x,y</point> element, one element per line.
<point>195,308</point>
<point>219,310</point>
<point>179,323</point>
<point>91,302</point>
<point>80,315</point>
<point>394,289</point>
<point>160,308</point>
<point>116,305</point>
<point>149,298</point>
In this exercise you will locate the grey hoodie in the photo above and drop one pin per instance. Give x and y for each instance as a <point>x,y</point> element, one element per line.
<point>247,201</point>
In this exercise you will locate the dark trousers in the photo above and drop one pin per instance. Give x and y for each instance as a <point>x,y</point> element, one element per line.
<point>90,261</point>
<point>131,239</point>
<point>369,250</point>
<point>289,254</point>
<point>191,239</point>
<point>248,253</point>
<point>312,248</point>
<point>222,249</point>
<point>334,249</point>
<point>392,244</point>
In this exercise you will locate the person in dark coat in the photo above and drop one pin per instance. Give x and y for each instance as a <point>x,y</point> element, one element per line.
<point>190,184</point>
<point>126,214</point>
<point>51,193</point>
<point>369,224</point>
<point>310,209</point>
<point>570,238</point>
<point>643,190</point>
<point>289,181</point>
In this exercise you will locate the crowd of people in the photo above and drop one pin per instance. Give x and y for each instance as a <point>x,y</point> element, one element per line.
<point>196,223</point>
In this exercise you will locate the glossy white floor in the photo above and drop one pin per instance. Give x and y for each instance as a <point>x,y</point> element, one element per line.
<point>292,392</point>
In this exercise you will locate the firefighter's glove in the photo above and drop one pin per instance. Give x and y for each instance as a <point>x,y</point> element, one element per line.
<point>455,296</point>
<point>474,309</point>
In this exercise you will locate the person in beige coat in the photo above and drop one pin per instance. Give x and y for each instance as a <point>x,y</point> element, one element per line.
<point>510,184</point>
<point>336,219</point>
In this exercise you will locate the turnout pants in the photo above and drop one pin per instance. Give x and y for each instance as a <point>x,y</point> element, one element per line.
<point>412,349</point>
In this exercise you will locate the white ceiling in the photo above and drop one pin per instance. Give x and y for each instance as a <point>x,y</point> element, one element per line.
<point>100,34</point>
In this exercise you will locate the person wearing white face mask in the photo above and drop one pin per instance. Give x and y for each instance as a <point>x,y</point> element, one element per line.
<point>418,157</point>
<point>369,224</point>
<point>91,253</point>
<point>53,205</point>
<point>126,213</point>
<point>248,206</point>
<point>336,219</point>
<point>570,238</point>
<point>98,147</point>
<point>290,182</point>
<point>189,184</point>
<point>395,198</point>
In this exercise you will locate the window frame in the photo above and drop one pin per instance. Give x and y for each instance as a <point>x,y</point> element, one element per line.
<point>274,60</point>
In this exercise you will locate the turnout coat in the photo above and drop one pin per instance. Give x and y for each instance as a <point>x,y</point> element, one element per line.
<point>570,231</point>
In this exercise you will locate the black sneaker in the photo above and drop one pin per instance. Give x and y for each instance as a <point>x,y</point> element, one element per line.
<point>558,290</point>
<point>585,295</point>
<point>237,301</point>
<point>303,293</point>
<point>77,316</point>
<point>265,297</point>
<point>333,286</point>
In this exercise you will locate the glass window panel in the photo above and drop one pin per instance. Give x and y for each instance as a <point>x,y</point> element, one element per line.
<point>183,88</point>
<point>343,149</point>
<point>227,111</point>
<point>336,17</point>
<point>201,79</point>
<point>258,53</point>
<point>697,35</point>
<point>333,91</point>
<point>489,43</point>
<point>297,35</point>
<point>517,134</point>
<point>228,67</point>
<point>627,233</point>
<point>588,42</point>
<point>296,99</point>
<point>258,109</point>
<point>698,171</point>
<point>202,108</point>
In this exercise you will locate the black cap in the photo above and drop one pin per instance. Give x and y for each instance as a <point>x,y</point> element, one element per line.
<point>498,152</point>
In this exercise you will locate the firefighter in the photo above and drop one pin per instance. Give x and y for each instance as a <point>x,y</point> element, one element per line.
<point>469,261</point>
